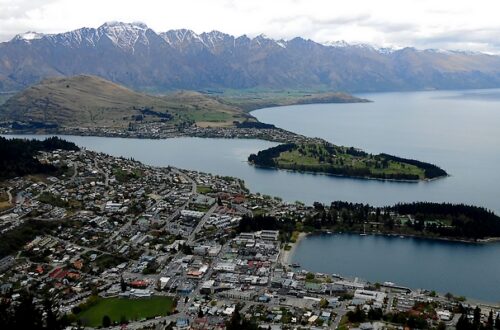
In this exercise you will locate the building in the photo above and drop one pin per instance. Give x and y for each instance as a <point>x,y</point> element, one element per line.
<point>269,235</point>
<point>192,214</point>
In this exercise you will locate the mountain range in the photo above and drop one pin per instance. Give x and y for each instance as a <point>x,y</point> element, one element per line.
<point>138,57</point>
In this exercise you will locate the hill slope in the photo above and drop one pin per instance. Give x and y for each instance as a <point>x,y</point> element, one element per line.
<point>140,58</point>
<point>90,101</point>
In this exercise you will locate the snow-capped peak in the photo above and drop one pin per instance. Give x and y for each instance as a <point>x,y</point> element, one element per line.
<point>28,36</point>
<point>133,25</point>
<point>337,43</point>
<point>344,44</point>
<point>215,38</point>
<point>176,37</point>
<point>281,43</point>
<point>125,35</point>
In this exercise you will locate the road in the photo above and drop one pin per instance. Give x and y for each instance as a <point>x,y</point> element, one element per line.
<point>201,224</point>
<point>188,178</point>
<point>340,311</point>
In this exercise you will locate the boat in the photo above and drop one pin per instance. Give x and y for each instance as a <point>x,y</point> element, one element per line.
<point>362,234</point>
<point>295,265</point>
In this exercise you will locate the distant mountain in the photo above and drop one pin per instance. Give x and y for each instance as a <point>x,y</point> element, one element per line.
<point>136,56</point>
<point>89,101</point>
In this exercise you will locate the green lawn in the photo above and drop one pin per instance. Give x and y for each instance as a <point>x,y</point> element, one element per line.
<point>203,189</point>
<point>131,309</point>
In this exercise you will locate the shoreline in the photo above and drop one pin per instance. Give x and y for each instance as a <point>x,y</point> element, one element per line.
<point>286,256</point>
<point>349,176</point>
<point>489,240</point>
<point>275,135</point>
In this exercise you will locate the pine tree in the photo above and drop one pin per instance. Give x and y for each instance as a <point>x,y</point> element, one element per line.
<point>106,321</point>
<point>50,318</point>
<point>26,316</point>
<point>200,313</point>
<point>235,321</point>
<point>477,317</point>
<point>463,323</point>
<point>490,322</point>
<point>123,285</point>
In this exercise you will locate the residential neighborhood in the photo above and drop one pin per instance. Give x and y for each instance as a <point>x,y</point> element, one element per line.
<point>112,230</point>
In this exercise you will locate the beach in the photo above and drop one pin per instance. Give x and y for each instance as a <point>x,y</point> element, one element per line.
<point>286,256</point>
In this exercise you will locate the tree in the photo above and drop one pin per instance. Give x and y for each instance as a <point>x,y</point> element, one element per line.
<point>26,316</point>
<point>448,296</point>
<point>477,317</point>
<point>5,316</point>
<point>200,313</point>
<point>463,323</point>
<point>489,324</point>
<point>106,321</point>
<point>497,322</point>
<point>323,303</point>
<point>356,316</point>
<point>235,321</point>
<point>50,317</point>
<point>375,314</point>
<point>186,249</point>
<point>238,323</point>
<point>123,285</point>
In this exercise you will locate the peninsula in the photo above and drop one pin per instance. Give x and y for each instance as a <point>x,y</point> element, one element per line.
<point>324,157</point>
<point>88,105</point>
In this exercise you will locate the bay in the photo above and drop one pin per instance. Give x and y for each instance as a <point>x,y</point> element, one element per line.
<point>465,269</point>
<point>456,130</point>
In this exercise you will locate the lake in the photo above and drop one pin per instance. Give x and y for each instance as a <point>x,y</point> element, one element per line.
<point>465,269</point>
<point>457,130</point>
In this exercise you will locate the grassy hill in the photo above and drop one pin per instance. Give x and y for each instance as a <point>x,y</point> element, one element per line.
<point>331,159</point>
<point>89,101</point>
<point>204,110</point>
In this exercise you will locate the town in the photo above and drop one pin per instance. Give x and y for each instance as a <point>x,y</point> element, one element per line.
<point>115,243</point>
<point>164,130</point>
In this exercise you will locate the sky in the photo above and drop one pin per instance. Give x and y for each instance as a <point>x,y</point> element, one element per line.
<point>443,24</point>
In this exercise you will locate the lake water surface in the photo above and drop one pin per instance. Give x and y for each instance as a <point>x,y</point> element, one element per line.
<point>466,269</point>
<point>458,131</point>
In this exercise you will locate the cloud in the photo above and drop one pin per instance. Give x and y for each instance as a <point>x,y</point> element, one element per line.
<point>421,23</point>
<point>20,9</point>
